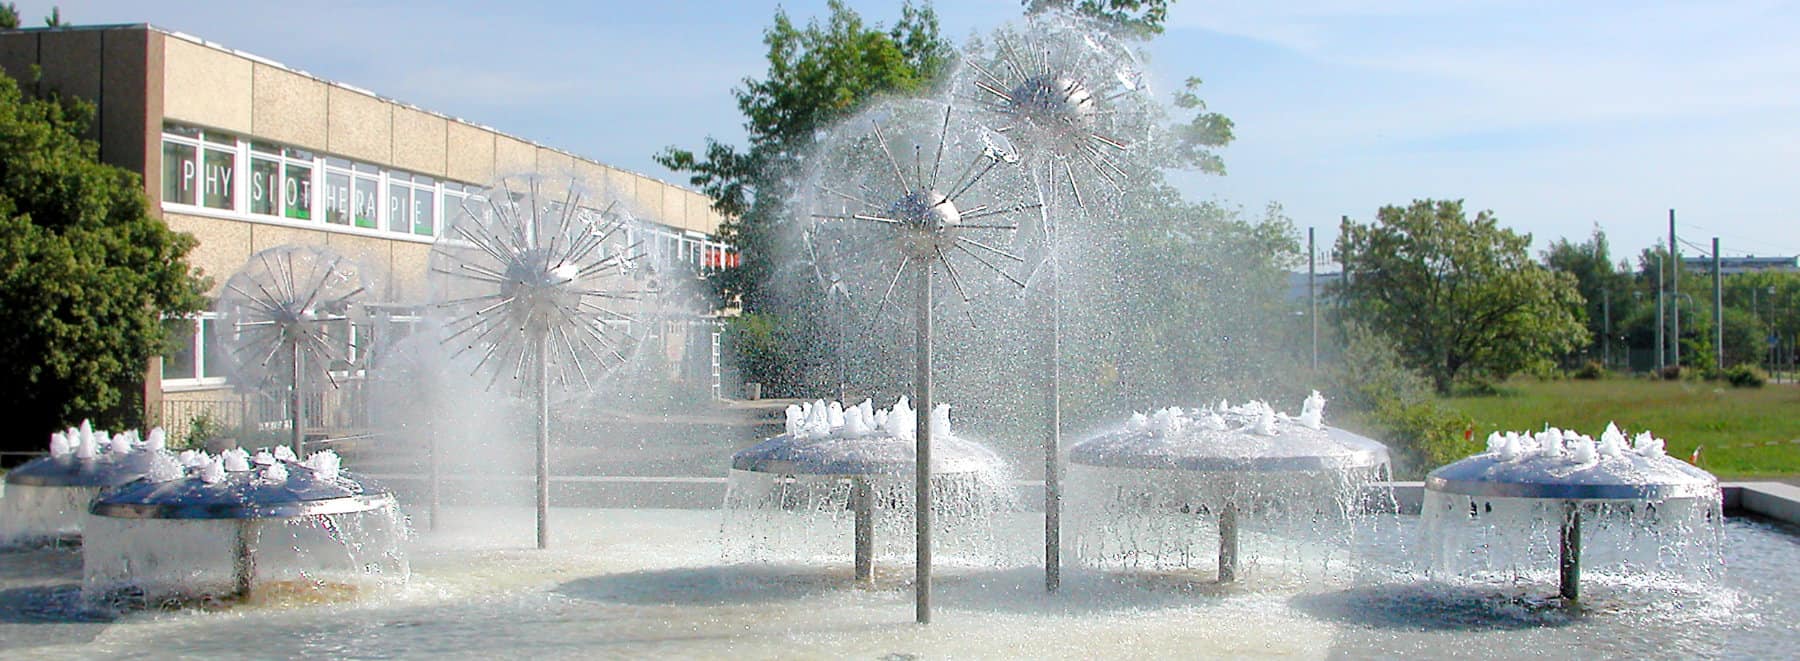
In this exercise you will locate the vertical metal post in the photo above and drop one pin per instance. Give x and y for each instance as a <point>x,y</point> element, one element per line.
<point>1570,562</point>
<point>1312,294</point>
<point>1662,348</point>
<point>297,441</point>
<point>543,439</point>
<point>1718,309</point>
<point>1053,440</point>
<point>243,555</point>
<point>862,503</point>
<point>1228,543</point>
<point>922,451</point>
<point>1674,293</point>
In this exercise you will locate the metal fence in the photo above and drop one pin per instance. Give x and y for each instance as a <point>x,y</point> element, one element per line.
<point>256,417</point>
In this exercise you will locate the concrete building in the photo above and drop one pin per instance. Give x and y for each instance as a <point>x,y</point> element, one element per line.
<point>1736,265</point>
<point>246,154</point>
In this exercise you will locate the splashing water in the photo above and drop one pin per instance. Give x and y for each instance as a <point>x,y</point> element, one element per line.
<point>792,498</point>
<point>1661,517</point>
<point>1150,496</point>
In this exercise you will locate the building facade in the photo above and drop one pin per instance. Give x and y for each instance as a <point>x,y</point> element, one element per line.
<point>247,154</point>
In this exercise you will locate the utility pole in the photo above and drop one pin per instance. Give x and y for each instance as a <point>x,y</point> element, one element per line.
<point>1312,294</point>
<point>1718,309</point>
<point>1662,352</point>
<point>1674,293</point>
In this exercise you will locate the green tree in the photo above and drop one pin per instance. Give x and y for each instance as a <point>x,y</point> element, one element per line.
<point>1603,286</point>
<point>9,16</point>
<point>1456,295</point>
<point>55,19</point>
<point>817,74</point>
<point>86,274</point>
<point>1145,16</point>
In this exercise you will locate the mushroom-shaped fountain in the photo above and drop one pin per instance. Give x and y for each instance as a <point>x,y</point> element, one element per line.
<point>47,498</point>
<point>1150,483</point>
<point>1531,493</point>
<point>833,459</point>
<point>203,525</point>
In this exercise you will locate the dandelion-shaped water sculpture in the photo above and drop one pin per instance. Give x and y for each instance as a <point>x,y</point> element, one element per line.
<point>1071,96</point>
<point>539,289</point>
<point>911,188</point>
<point>1147,493</point>
<point>1530,496</point>
<point>286,319</point>
<point>832,459</point>
<point>202,526</point>
<point>47,498</point>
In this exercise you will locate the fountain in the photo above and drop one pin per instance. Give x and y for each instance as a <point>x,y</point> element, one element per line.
<point>202,527</point>
<point>1556,492</point>
<point>1072,98</point>
<point>287,313</point>
<point>539,285</point>
<point>795,487</point>
<point>869,208</point>
<point>46,498</point>
<point>1145,492</point>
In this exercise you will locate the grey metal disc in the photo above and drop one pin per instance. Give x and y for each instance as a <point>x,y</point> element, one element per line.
<point>243,495</point>
<point>1626,477</point>
<point>105,470</point>
<point>1295,449</point>
<point>875,454</point>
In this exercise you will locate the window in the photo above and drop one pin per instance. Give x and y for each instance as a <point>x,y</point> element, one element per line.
<point>296,184</point>
<point>196,356</point>
<point>218,174</point>
<point>351,193</point>
<point>181,167</point>
<point>424,198</point>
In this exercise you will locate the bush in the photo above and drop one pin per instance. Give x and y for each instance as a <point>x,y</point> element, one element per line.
<point>1590,371</point>
<point>1396,405</point>
<point>1746,376</point>
<point>1669,373</point>
<point>202,430</point>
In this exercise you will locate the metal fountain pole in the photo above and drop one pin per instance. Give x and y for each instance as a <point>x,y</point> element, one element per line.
<point>542,384</point>
<point>1570,560</point>
<point>297,441</point>
<point>922,452</point>
<point>1053,435</point>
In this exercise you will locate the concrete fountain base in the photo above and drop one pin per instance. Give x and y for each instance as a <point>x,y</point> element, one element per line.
<point>648,583</point>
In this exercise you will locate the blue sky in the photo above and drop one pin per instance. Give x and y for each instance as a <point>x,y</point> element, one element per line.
<point>1556,115</point>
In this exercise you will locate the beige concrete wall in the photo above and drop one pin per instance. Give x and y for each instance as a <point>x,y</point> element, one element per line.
<point>470,153</point>
<point>513,156</point>
<point>359,126</point>
<point>409,258</point>
<point>375,257</point>
<point>648,195</point>
<point>554,163</point>
<point>224,245</point>
<point>264,237</point>
<point>420,140</point>
<point>207,86</point>
<point>288,107</point>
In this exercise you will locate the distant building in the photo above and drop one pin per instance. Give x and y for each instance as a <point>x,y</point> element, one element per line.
<point>246,154</point>
<point>1326,283</point>
<point>1735,265</point>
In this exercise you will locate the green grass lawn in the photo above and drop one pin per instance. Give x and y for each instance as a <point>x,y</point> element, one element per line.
<point>1745,432</point>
